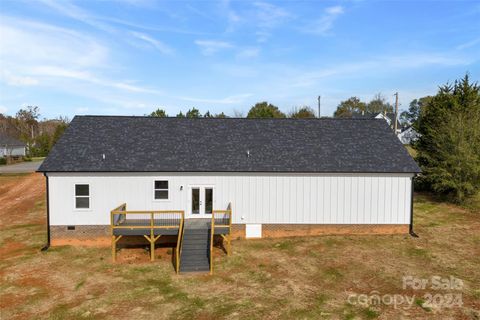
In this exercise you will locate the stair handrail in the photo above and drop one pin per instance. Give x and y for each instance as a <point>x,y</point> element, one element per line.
<point>181,232</point>
<point>212,230</point>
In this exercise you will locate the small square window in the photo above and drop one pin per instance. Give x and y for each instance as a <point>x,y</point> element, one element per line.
<point>161,190</point>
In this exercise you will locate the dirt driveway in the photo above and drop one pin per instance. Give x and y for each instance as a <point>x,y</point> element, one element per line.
<point>23,167</point>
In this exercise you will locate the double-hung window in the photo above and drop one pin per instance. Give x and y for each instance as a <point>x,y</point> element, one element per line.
<point>82,196</point>
<point>161,190</point>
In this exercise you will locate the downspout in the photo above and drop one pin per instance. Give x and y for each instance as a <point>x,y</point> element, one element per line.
<point>45,248</point>
<point>410,231</point>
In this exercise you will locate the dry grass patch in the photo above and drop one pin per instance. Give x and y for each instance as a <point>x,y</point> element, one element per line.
<point>306,278</point>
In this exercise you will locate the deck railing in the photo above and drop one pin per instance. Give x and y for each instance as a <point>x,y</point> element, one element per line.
<point>221,219</point>
<point>149,222</point>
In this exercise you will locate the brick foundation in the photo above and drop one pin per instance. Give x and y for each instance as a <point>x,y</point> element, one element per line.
<point>84,235</point>
<point>295,230</point>
<point>100,235</point>
<point>80,232</point>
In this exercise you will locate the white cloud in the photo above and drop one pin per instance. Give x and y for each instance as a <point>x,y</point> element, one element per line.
<point>336,10</point>
<point>45,55</point>
<point>268,17</point>
<point>233,18</point>
<point>68,9</point>
<point>3,109</point>
<point>325,23</point>
<point>26,42</point>
<point>58,72</point>
<point>157,44</point>
<point>248,53</point>
<point>15,80</point>
<point>378,65</point>
<point>260,15</point>
<point>210,47</point>
<point>468,44</point>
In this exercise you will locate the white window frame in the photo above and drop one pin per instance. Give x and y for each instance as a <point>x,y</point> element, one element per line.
<point>89,196</point>
<point>154,189</point>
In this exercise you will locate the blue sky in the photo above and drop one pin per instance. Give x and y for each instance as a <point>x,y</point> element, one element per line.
<point>130,57</point>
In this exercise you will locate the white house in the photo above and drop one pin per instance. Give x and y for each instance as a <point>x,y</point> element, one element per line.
<point>11,147</point>
<point>389,117</point>
<point>408,135</point>
<point>275,177</point>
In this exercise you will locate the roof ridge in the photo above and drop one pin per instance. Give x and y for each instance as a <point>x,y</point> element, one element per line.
<point>227,118</point>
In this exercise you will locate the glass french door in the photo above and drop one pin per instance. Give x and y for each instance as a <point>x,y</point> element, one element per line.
<point>201,201</point>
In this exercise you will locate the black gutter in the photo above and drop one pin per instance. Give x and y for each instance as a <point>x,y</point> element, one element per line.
<point>410,231</point>
<point>45,248</point>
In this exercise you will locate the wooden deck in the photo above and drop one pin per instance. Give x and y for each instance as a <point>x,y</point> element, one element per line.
<point>154,224</point>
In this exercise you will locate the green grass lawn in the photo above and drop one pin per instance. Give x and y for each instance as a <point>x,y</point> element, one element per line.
<point>306,278</point>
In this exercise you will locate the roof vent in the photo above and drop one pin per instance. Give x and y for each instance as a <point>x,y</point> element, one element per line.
<point>103,156</point>
<point>248,153</point>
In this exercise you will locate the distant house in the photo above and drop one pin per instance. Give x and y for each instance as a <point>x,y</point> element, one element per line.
<point>389,117</point>
<point>408,135</point>
<point>191,179</point>
<point>11,147</point>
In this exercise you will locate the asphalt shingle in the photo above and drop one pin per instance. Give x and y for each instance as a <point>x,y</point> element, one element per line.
<point>10,141</point>
<point>147,144</point>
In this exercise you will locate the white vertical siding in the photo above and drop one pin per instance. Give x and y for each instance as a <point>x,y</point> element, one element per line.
<point>259,198</point>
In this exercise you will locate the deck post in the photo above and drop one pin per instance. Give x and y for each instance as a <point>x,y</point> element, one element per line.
<point>179,239</point>
<point>152,239</point>
<point>114,249</point>
<point>152,250</point>
<point>114,246</point>
<point>229,245</point>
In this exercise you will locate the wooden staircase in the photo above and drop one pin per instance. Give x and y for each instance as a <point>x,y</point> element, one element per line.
<point>195,252</point>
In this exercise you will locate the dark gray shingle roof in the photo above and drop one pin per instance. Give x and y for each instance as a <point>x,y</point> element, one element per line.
<point>10,141</point>
<point>220,145</point>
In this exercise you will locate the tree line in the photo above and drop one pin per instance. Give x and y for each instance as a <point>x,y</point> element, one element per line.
<point>262,109</point>
<point>38,135</point>
<point>448,124</point>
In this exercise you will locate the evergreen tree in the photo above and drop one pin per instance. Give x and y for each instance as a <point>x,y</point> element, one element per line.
<point>193,113</point>
<point>449,143</point>
<point>159,113</point>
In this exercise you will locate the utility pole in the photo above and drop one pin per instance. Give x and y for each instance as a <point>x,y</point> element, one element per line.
<point>319,97</point>
<point>396,113</point>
